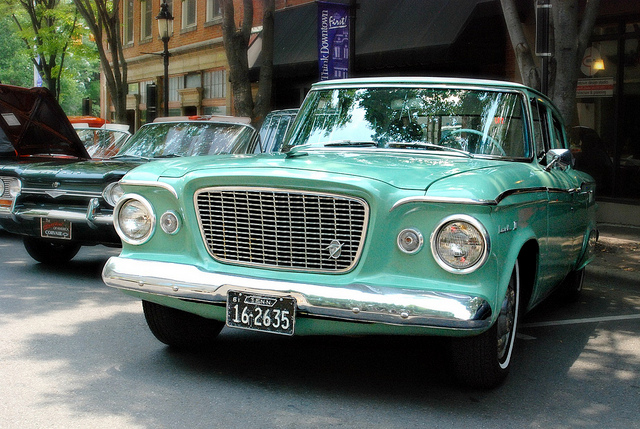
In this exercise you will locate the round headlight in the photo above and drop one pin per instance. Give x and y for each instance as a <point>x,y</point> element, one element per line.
<point>15,187</point>
<point>1,187</point>
<point>134,219</point>
<point>460,244</point>
<point>169,222</point>
<point>410,241</point>
<point>112,193</point>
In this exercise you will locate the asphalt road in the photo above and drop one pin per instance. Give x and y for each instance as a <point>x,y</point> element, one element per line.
<point>75,353</point>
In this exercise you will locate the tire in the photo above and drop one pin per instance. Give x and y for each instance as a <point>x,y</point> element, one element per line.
<point>50,252</point>
<point>571,287</point>
<point>483,361</point>
<point>179,329</point>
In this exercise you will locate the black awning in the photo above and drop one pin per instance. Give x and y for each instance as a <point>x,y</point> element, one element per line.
<point>384,30</point>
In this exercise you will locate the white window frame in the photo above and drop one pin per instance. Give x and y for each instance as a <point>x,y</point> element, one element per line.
<point>146,19</point>
<point>214,10</point>
<point>186,4</point>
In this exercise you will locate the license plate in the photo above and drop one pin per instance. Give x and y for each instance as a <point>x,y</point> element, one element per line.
<point>55,228</point>
<point>266,313</point>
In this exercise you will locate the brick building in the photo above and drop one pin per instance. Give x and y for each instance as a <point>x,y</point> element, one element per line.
<point>392,37</point>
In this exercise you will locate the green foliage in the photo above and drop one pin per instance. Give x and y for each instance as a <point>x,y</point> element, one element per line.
<point>60,39</point>
<point>16,67</point>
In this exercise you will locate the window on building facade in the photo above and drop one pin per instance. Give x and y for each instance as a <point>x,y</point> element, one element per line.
<point>188,13</point>
<point>176,83</point>
<point>146,19</point>
<point>127,27</point>
<point>215,84</point>
<point>214,10</point>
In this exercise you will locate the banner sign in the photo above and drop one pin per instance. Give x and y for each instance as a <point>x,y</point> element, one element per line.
<point>333,40</point>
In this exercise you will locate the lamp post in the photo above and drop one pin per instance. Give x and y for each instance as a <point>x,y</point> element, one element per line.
<point>165,30</point>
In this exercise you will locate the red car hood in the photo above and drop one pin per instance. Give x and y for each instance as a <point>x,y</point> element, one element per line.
<point>35,124</point>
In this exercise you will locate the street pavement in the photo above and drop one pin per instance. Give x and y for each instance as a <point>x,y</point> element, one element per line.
<point>77,354</point>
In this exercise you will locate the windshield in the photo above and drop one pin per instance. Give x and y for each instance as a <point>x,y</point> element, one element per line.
<point>169,139</point>
<point>100,142</point>
<point>475,121</point>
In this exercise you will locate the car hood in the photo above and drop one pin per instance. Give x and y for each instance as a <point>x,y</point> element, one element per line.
<point>400,170</point>
<point>35,124</point>
<point>67,171</point>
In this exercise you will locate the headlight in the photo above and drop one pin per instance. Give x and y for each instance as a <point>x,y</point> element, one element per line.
<point>460,244</point>
<point>134,219</point>
<point>1,187</point>
<point>15,187</point>
<point>112,193</point>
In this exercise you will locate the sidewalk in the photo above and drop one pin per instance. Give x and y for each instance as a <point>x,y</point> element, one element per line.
<point>618,251</point>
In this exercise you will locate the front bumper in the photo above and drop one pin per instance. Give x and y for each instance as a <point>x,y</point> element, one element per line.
<point>90,215</point>
<point>353,302</point>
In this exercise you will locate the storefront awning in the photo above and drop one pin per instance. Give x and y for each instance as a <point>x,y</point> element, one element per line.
<point>382,27</point>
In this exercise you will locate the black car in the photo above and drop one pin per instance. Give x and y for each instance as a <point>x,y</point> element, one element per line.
<point>57,197</point>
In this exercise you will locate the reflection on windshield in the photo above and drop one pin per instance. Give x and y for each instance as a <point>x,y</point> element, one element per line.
<point>102,143</point>
<point>174,139</point>
<point>475,121</point>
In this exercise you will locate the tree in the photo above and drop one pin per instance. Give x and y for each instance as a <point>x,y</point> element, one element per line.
<point>48,29</point>
<point>16,67</point>
<point>103,19</point>
<point>570,37</point>
<point>236,44</point>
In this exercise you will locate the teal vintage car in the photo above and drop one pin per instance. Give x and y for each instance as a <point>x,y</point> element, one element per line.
<point>404,206</point>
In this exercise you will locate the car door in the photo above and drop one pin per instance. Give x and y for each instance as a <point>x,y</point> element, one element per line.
<point>559,249</point>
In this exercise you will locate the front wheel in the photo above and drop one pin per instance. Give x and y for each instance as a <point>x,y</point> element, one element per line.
<point>180,329</point>
<point>49,251</point>
<point>483,361</point>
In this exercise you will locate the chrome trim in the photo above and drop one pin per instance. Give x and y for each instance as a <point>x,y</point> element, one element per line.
<point>473,222</point>
<point>356,256</point>
<point>150,183</point>
<point>63,215</point>
<point>55,193</point>
<point>473,201</point>
<point>352,302</point>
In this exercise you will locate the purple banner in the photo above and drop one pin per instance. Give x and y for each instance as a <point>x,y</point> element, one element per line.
<point>333,40</point>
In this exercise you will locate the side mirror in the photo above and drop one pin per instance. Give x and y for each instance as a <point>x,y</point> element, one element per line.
<point>560,158</point>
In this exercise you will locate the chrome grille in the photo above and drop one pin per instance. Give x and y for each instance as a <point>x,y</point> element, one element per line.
<point>282,229</point>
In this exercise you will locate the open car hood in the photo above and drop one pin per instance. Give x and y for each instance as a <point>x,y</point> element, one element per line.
<point>35,124</point>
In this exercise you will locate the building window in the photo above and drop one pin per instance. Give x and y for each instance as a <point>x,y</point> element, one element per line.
<point>127,33</point>
<point>146,19</point>
<point>214,10</point>
<point>215,84</point>
<point>176,83</point>
<point>143,90</point>
<point>188,13</point>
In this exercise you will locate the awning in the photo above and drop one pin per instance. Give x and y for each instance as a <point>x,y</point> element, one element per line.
<point>382,27</point>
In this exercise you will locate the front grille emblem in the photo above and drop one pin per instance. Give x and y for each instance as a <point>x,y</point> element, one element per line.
<point>335,249</point>
<point>55,185</point>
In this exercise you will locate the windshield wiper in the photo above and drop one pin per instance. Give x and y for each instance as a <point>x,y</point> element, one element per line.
<point>168,155</point>
<point>416,145</point>
<point>130,158</point>
<point>350,143</point>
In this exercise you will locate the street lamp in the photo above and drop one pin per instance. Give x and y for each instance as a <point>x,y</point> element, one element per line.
<point>165,30</point>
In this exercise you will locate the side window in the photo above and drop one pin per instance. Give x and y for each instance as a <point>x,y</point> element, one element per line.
<point>539,116</point>
<point>557,134</point>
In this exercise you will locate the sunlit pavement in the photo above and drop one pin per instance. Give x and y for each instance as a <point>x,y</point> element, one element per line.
<point>78,354</point>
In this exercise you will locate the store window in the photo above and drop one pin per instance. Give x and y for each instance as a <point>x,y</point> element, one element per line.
<point>215,84</point>
<point>176,83</point>
<point>605,142</point>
